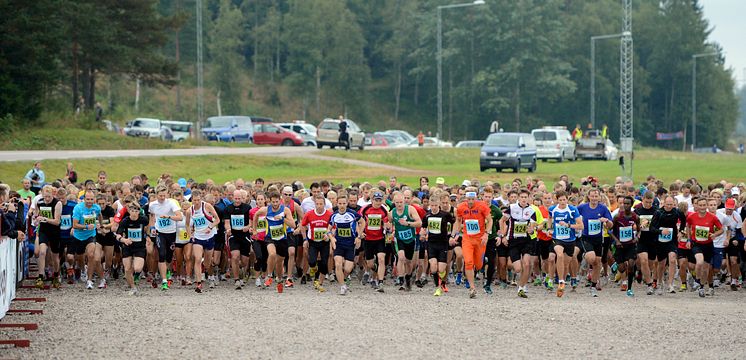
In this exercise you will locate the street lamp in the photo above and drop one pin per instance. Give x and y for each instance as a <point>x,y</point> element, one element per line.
<point>439,57</point>
<point>593,70</point>
<point>694,95</point>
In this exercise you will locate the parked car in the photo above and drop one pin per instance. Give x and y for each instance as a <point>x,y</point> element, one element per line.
<point>111,126</point>
<point>306,131</point>
<point>266,133</point>
<point>508,151</point>
<point>229,129</point>
<point>611,152</point>
<point>328,135</point>
<point>375,139</point>
<point>430,142</point>
<point>593,146</point>
<point>393,140</point>
<point>181,130</point>
<point>554,142</point>
<point>144,127</point>
<point>401,134</point>
<point>470,144</point>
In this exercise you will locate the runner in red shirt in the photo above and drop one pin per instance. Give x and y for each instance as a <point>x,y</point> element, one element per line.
<point>376,221</point>
<point>702,226</point>
<point>315,227</point>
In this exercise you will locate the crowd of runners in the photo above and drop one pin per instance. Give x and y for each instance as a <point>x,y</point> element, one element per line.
<point>557,236</point>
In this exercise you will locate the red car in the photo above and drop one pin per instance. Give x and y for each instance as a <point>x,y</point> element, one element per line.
<point>376,140</point>
<point>271,134</point>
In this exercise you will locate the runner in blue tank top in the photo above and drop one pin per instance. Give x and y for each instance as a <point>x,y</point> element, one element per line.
<point>279,218</point>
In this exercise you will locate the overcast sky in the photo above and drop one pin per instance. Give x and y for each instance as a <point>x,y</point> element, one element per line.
<point>726,17</point>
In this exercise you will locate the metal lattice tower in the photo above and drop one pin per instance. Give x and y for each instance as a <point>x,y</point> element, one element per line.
<point>200,68</point>
<point>626,98</point>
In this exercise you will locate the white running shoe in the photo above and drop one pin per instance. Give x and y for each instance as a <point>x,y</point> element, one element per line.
<point>133,292</point>
<point>258,281</point>
<point>89,285</point>
<point>102,284</point>
<point>343,290</point>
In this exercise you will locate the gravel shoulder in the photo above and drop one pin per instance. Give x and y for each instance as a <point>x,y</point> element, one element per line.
<point>302,323</point>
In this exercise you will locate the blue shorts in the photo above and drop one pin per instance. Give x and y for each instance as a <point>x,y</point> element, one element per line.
<point>345,251</point>
<point>718,254</point>
<point>205,244</point>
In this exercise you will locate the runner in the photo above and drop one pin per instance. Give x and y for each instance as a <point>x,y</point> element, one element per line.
<point>259,235</point>
<point>647,239</point>
<point>438,222</point>
<point>183,245</point>
<point>237,226</point>
<point>376,224</point>
<point>131,234</point>
<point>719,242</point>
<point>164,212</point>
<point>734,244</point>
<point>48,213</point>
<point>544,246</point>
<point>86,220</point>
<point>702,227</point>
<point>477,222</point>
<point>345,239</point>
<point>405,219</point>
<point>294,238</point>
<point>499,222</point>
<point>667,224</point>
<point>66,229</point>
<point>279,218</point>
<point>522,224</point>
<point>625,225</point>
<point>315,228</point>
<point>204,222</point>
<point>105,240</point>
<point>565,221</point>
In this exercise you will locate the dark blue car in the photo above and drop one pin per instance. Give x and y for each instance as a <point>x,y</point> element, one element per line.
<point>508,151</point>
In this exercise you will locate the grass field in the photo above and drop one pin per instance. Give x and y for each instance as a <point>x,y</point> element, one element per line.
<point>453,164</point>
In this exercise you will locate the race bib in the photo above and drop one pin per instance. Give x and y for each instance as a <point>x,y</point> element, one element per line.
<point>405,235</point>
<point>645,222</point>
<point>237,222</point>
<point>472,227</point>
<point>318,234</point>
<point>701,233</point>
<point>666,238</point>
<point>561,232</point>
<point>262,224</point>
<point>66,222</point>
<point>277,232</point>
<point>344,232</point>
<point>162,224</point>
<point>520,228</point>
<point>433,225</point>
<point>89,219</point>
<point>374,222</point>
<point>135,235</point>
<point>182,237</point>
<point>45,212</point>
<point>200,222</point>
<point>594,227</point>
<point>626,234</point>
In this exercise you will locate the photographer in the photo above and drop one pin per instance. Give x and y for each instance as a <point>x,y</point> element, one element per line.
<point>9,209</point>
<point>36,175</point>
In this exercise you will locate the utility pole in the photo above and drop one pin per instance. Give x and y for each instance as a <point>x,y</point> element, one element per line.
<point>200,72</point>
<point>626,96</point>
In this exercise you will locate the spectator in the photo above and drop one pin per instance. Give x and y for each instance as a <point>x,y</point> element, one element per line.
<point>36,175</point>
<point>99,111</point>
<point>577,134</point>
<point>26,192</point>
<point>71,175</point>
<point>421,139</point>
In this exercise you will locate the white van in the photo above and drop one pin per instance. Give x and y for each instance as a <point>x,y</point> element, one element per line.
<point>181,130</point>
<point>554,142</point>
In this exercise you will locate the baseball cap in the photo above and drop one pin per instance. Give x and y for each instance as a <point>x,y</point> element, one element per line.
<point>730,204</point>
<point>378,195</point>
<point>466,183</point>
<point>440,181</point>
<point>735,191</point>
<point>182,182</point>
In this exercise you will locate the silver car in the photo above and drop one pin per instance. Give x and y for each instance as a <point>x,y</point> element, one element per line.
<point>328,135</point>
<point>306,131</point>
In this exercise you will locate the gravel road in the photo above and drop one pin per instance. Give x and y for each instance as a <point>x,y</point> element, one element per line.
<point>303,324</point>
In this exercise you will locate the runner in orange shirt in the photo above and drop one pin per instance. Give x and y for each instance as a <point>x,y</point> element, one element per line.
<point>475,216</point>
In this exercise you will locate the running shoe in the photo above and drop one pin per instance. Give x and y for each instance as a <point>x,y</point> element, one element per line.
<point>466,284</point>
<point>630,293</point>
<point>320,289</point>
<point>280,288</point>
<point>289,283</point>
<point>89,285</point>
<point>154,283</point>
<point>183,282</point>
<point>379,287</point>
<point>444,286</point>
<point>189,281</point>
<point>623,287</point>
<point>733,285</point>
<point>438,291</point>
<point>716,283</point>
<point>650,290</point>
<point>522,293</point>
<point>168,274</point>
<point>39,283</point>
<point>198,289</point>
<point>212,284</point>
<point>258,281</point>
<point>348,280</point>
<point>56,283</point>
<point>682,288</point>
<point>487,289</point>
<point>133,292</point>
<point>70,276</point>
<point>343,290</point>
<point>594,292</point>
<point>472,293</point>
<point>102,284</point>
<point>701,292</point>
<point>402,288</point>
<point>332,277</point>
<point>268,282</point>
<point>711,291</point>
<point>418,283</point>
<point>550,285</point>
<point>537,281</point>
<point>423,280</point>
<point>561,289</point>
<point>312,272</point>
<point>696,286</point>
<point>366,278</point>
<point>672,290</point>
<point>303,280</point>
<point>503,284</point>
<point>237,284</point>
<point>574,283</point>
<point>659,291</point>
<point>164,285</point>
<point>458,278</point>
<point>316,284</point>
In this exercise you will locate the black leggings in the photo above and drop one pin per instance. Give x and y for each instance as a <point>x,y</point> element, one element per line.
<point>165,245</point>
<point>491,253</point>
<point>260,252</point>
<point>316,248</point>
